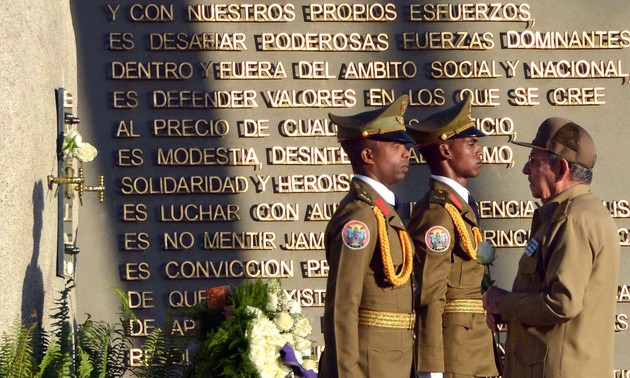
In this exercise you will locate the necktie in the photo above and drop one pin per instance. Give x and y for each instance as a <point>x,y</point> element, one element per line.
<point>397,205</point>
<point>473,204</point>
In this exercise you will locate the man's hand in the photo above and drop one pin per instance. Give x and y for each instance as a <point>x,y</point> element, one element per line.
<point>492,299</point>
<point>493,320</point>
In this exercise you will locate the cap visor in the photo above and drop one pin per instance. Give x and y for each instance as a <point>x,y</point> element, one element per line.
<point>471,131</point>
<point>528,145</point>
<point>395,136</point>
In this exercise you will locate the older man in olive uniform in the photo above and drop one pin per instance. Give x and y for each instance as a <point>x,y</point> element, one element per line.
<point>368,318</point>
<point>453,338</point>
<point>561,310</point>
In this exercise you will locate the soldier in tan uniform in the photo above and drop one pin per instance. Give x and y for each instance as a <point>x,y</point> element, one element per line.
<point>452,336</point>
<point>368,318</point>
<point>561,310</point>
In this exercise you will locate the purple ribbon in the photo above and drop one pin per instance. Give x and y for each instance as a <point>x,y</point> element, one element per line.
<point>288,356</point>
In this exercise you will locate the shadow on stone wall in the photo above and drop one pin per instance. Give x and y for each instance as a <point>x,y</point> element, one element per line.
<point>33,285</point>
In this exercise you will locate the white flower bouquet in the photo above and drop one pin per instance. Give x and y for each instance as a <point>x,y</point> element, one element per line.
<point>264,335</point>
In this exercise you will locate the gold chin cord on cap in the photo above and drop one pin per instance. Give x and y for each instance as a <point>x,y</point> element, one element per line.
<point>385,125</point>
<point>463,233</point>
<point>449,134</point>
<point>392,277</point>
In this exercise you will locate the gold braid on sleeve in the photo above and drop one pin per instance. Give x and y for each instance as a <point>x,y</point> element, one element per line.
<point>390,273</point>
<point>463,233</point>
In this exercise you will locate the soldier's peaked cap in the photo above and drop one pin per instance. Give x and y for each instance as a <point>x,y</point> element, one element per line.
<point>454,122</point>
<point>385,124</point>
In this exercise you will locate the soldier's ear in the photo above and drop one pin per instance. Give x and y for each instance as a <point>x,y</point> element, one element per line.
<point>367,156</point>
<point>445,150</point>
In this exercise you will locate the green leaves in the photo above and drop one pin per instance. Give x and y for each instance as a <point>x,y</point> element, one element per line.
<point>16,351</point>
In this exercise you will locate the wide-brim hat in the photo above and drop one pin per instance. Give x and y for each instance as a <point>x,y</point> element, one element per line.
<point>566,139</point>
<point>385,124</point>
<point>454,122</point>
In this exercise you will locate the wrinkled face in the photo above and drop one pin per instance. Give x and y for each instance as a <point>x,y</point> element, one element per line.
<point>541,175</point>
<point>390,161</point>
<point>465,156</point>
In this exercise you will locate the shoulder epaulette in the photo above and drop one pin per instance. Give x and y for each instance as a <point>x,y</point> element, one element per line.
<point>442,197</point>
<point>438,196</point>
<point>365,197</point>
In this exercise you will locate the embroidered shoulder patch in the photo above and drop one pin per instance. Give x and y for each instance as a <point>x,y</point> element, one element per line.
<point>355,234</point>
<point>437,239</point>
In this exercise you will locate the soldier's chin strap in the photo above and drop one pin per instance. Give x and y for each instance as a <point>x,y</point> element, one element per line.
<point>390,273</point>
<point>463,233</point>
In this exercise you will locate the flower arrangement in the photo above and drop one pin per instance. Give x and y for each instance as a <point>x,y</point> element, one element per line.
<point>263,334</point>
<point>282,323</point>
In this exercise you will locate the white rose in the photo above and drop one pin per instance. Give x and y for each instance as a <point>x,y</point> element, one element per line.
<point>302,326</point>
<point>73,136</point>
<point>283,321</point>
<point>485,253</point>
<point>303,346</point>
<point>294,307</point>
<point>272,302</point>
<point>86,152</point>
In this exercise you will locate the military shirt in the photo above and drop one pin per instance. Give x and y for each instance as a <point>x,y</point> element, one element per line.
<point>356,280</point>
<point>460,342</point>
<point>561,310</point>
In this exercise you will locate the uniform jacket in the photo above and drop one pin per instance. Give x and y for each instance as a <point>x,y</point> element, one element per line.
<point>356,280</point>
<point>561,310</point>
<point>458,343</point>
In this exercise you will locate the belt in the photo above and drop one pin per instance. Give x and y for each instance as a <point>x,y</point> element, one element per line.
<point>465,305</point>
<point>387,319</point>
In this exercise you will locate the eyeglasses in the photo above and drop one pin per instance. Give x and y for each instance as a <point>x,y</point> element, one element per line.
<point>535,162</point>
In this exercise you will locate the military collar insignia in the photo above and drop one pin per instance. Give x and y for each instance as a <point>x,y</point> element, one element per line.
<point>455,201</point>
<point>383,207</point>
